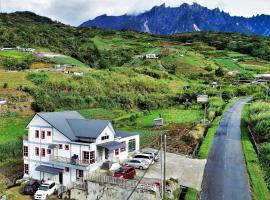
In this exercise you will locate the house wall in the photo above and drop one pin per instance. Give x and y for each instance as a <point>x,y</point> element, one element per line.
<point>107,131</point>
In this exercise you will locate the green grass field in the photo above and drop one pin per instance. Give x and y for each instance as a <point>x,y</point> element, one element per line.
<point>256,175</point>
<point>67,60</point>
<point>12,128</point>
<point>15,54</point>
<point>171,115</point>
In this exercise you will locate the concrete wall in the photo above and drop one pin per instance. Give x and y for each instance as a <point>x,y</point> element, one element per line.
<point>109,192</point>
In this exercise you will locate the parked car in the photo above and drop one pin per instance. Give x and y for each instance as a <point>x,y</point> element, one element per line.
<point>126,172</point>
<point>45,190</point>
<point>31,187</point>
<point>154,153</point>
<point>138,163</point>
<point>148,157</point>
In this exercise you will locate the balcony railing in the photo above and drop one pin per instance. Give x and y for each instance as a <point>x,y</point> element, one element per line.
<point>72,161</point>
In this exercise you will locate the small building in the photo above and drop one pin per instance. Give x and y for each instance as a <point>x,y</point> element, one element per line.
<point>213,84</point>
<point>3,102</point>
<point>159,122</point>
<point>263,76</point>
<point>65,147</point>
<point>79,73</point>
<point>232,73</point>
<point>151,56</point>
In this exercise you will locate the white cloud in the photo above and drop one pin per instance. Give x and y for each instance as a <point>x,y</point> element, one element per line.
<point>75,12</point>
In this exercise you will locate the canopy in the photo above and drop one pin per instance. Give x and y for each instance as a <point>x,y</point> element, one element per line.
<point>49,170</point>
<point>112,145</point>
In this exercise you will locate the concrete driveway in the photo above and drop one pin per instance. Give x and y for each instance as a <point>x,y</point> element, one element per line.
<point>189,172</point>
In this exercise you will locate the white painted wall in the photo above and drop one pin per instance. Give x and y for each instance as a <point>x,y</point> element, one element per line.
<point>107,131</point>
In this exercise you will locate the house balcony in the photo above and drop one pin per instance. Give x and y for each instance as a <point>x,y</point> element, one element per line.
<point>75,162</point>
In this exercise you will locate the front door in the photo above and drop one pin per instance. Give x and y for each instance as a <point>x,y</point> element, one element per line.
<point>61,178</point>
<point>106,154</point>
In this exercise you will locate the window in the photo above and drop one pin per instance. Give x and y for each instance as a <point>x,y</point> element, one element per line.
<point>42,134</point>
<point>25,151</point>
<point>124,147</point>
<point>79,173</point>
<point>60,146</point>
<point>86,155</point>
<point>37,134</point>
<point>66,169</point>
<point>49,151</point>
<point>52,185</point>
<point>26,168</point>
<point>92,157</point>
<point>49,133</point>
<point>66,147</point>
<point>116,152</point>
<point>37,151</point>
<point>131,145</point>
<point>43,152</point>
<point>106,137</point>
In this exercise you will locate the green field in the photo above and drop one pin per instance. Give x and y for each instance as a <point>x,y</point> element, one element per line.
<point>15,54</point>
<point>67,60</point>
<point>12,128</point>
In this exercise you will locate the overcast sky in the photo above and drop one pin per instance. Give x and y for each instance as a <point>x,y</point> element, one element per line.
<point>75,12</point>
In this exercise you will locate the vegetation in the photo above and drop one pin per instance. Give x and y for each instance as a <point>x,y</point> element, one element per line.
<point>256,174</point>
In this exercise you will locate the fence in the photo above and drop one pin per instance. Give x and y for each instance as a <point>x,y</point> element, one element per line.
<point>253,140</point>
<point>112,180</point>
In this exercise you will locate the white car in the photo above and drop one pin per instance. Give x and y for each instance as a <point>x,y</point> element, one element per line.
<point>45,190</point>
<point>145,157</point>
<point>138,163</point>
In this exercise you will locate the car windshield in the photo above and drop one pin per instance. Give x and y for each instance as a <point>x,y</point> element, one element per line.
<point>43,188</point>
<point>120,171</point>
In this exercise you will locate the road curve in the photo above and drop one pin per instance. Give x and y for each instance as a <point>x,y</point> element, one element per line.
<point>225,176</point>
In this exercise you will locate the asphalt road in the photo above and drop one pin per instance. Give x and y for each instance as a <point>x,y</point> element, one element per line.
<point>225,176</point>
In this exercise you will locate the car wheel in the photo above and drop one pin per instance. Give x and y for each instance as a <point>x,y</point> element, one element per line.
<point>141,168</point>
<point>46,197</point>
<point>55,191</point>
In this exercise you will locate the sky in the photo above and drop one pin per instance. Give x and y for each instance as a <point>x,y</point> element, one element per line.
<point>74,12</point>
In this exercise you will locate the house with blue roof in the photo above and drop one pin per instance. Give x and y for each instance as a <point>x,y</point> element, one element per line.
<point>65,147</point>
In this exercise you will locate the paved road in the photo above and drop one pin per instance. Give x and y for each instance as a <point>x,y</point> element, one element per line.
<point>225,175</point>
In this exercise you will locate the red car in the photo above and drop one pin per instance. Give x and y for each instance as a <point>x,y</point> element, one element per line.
<point>126,172</point>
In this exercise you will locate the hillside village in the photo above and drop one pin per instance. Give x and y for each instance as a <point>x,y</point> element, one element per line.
<point>70,118</point>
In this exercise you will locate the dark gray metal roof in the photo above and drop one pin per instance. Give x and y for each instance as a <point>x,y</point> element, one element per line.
<point>112,145</point>
<point>59,121</point>
<point>49,170</point>
<point>124,134</point>
<point>83,128</point>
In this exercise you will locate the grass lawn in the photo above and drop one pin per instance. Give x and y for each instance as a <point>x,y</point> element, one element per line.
<point>101,113</point>
<point>256,175</point>
<point>11,128</point>
<point>67,60</point>
<point>15,54</point>
<point>171,115</point>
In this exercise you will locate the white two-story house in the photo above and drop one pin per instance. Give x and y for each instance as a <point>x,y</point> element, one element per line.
<point>64,146</point>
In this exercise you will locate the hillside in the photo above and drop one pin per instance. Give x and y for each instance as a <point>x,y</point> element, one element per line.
<point>164,20</point>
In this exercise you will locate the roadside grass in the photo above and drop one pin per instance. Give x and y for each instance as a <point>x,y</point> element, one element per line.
<point>67,60</point>
<point>12,128</point>
<point>256,174</point>
<point>192,194</point>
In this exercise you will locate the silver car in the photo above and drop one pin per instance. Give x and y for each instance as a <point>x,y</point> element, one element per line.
<point>152,153</point>
<point>147,157</point>
<point>138,163</point>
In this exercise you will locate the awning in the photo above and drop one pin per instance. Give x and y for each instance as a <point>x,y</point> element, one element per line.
<point>49,170</point>
<point>52,146</point>
<point>112,145</point>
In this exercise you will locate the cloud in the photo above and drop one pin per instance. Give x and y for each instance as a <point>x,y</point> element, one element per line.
<point>75,12</point>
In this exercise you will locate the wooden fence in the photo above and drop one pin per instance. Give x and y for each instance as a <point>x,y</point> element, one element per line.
<point>253,140</point>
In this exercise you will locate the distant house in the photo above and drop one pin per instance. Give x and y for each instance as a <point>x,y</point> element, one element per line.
<point>263,76</point>
<point>3,102</point>
<point>80,73</point>
<point>213,84</point>
<point>65,147</point>
<point>151,56</point>
<point>232,73</point>
<point>159,122</point>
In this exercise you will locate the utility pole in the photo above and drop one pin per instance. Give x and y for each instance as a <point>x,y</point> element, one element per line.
<point>266,96</point>
<point>161,164</point>
<point>164,166</point>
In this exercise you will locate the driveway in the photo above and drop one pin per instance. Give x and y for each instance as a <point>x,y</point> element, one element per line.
<point>225,175</point>
<point>189,172</point>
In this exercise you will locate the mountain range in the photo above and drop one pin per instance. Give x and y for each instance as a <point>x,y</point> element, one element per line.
<point>164,20</point>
